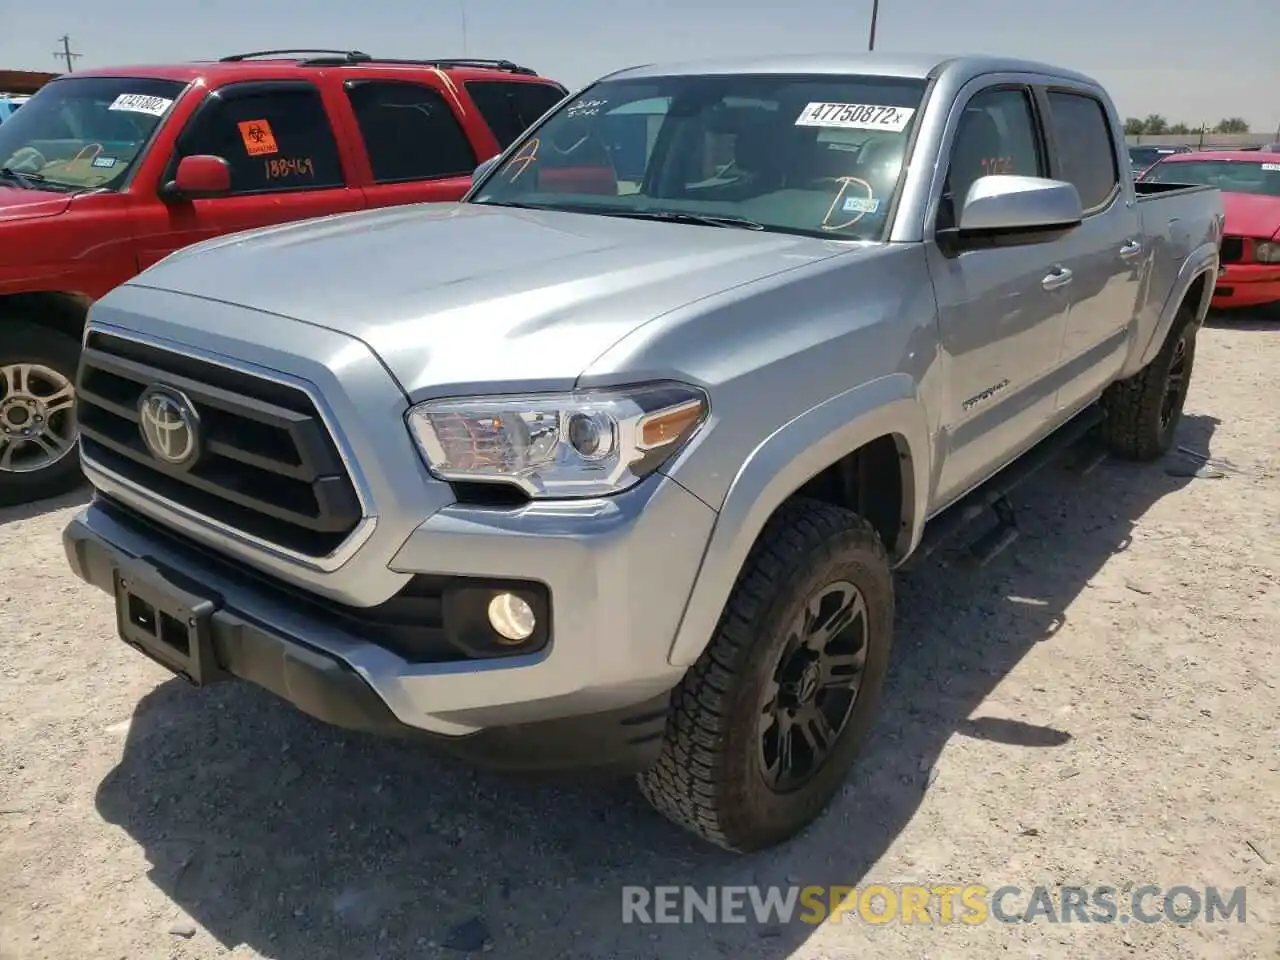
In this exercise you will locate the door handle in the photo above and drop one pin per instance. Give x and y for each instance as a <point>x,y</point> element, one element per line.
<point>1131,249</point>
<point>1060,277</point>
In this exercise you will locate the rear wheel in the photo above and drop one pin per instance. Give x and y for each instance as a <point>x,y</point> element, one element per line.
<point>765,726</point>
<point>1143,412</point>
<point>38,452</point>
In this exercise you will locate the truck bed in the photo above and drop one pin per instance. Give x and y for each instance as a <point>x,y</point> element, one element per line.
<point>1149,189</point>
<point>1177,221</point>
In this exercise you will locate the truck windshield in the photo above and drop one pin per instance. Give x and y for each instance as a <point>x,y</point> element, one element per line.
<point>1229,176</point>
<point>83,133</point>
<point>813,155</point>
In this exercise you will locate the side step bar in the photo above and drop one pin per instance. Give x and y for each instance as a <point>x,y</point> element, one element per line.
<point>995,541</point>
<point>994,494</point>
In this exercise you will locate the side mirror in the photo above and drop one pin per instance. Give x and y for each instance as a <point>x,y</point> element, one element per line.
<point>478,174</point>
<point>1005,204</point>
<point>201,175</point>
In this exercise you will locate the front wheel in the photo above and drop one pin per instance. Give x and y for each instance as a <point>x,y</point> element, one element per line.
<point>765,726</point>
<point>38,452</point>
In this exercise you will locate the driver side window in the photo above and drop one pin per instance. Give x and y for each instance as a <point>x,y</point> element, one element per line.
<point>997,134</point>
<point>275,137</point>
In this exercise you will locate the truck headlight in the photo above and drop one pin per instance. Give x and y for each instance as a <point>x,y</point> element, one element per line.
<point>1267,251</point>
<point>588,443</point>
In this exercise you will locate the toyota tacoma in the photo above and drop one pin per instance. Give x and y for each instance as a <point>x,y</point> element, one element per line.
<point>609,464</point>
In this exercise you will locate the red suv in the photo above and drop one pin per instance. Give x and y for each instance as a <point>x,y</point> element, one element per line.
<point>105,172</point>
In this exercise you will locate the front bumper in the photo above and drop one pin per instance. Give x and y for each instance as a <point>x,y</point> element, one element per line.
<point>1247,285</point>
<point>618,573</point>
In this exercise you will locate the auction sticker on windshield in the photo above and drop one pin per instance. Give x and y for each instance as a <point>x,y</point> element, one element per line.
<point>141,103</point>
<point>855,116</point>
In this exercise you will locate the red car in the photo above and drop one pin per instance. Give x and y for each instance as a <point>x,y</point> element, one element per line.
<point>1250,185</point>
<point>105,172</point>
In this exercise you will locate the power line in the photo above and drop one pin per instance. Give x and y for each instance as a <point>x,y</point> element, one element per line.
<point>65,53</point>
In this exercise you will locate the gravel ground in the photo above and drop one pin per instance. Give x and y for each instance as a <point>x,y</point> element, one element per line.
<point>1098,706</point>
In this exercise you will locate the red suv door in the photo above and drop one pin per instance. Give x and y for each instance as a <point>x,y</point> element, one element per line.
<point>285,165</point>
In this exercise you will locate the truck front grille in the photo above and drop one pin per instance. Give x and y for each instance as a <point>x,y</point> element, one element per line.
<point>265,463</point>
<point>1232,250</point>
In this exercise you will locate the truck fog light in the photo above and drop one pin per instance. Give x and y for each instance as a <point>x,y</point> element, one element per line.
<point>511,618</point>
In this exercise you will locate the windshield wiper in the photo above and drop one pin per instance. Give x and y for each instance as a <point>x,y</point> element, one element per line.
<point>514,203</point>
<point>23,180</point>
<point>671,216</point>
<point>703,219</point>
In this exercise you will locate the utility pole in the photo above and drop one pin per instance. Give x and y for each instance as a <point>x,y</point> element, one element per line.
<point>462,6</point>
<point>65,53</point>
<point>875,15</point>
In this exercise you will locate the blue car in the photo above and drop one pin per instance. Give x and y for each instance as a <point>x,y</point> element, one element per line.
<point>9,106</point>
<point>1142,156</point>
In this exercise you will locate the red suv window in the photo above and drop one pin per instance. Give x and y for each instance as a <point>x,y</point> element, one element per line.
<point>510,107</point>
<point>275,136</point>
<point>410,131</point>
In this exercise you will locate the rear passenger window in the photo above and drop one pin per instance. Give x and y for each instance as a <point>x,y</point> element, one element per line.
<point>510,107</point>
<point>274,139</point>
<point>996,135</point>
<point>1085,147</point>
<point>410,131</point>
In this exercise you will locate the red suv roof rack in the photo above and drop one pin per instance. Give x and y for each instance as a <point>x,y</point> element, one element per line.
<point>350,54</point>
<point>342,58</point>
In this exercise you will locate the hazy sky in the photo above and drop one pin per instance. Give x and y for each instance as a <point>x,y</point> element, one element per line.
<point>1190,61</point>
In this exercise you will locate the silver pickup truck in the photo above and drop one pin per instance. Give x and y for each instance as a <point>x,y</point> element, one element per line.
<point>610,464</point>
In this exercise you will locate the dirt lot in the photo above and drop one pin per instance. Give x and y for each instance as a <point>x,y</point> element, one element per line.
<point>1101,705</point>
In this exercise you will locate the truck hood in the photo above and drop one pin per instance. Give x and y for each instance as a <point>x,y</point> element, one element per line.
<point>19,204</point>
<point>1250,215</point>
<point>459,296</point>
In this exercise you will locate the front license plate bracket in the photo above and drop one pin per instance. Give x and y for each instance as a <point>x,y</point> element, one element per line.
<point>167,623</point>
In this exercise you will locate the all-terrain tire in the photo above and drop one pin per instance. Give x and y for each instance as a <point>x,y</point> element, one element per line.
<point>709,777</point>
<point>23,342</point>
<point>1144,410</point>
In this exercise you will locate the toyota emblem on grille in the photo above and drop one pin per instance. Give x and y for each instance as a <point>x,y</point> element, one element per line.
<point>170,427</point>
